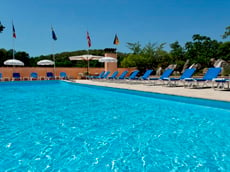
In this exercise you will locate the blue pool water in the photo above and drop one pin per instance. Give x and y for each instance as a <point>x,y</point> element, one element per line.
<point>57,126</point>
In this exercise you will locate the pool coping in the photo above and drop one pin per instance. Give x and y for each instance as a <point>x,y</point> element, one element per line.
<point>207,93</point>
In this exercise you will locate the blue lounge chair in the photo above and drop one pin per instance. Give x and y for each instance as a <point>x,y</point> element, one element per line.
<point>97,77</point>
<point>166,74</point>
<point>114,75</point>
<point>50,75</point>
<point>16,77</point>
<point>210,75</point>
<point>3,79</point>
<point>105,76</point>
<point>221,83</point>
<point>123,75</point>
<point>146,75</point>
<point>141,79</point>
<point>173,81</point>
<point>63,75</point>
<point>133,75</point>
<point>33,76</point>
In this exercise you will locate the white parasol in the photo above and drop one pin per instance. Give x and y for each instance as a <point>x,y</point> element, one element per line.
<point>13,62</point>
<point>86,57</point>
<point>45,62</point>
<point>107,59</point>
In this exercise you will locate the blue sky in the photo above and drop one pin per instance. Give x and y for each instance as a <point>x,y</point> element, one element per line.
<point>154,21</point>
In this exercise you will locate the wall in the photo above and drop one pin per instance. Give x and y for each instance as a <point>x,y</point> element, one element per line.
<point>73,72</point>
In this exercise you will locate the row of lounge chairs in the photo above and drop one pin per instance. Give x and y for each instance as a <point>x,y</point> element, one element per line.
<point>187,80</point>
<point>34,76</point>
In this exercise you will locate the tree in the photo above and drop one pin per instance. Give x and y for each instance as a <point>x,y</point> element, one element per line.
<point>177,54</point>
<point>24,57</point>
<point>134,47</point>
<point>1,27</point>
<point>226,33</point>
<point>150,57</point>
<point>201,50</point>
<point>224,51</point>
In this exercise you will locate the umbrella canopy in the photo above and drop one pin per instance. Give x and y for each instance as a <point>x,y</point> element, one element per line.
<point>45,62</point>
<point>86,57</point>
<point>107,59</point>
<point>13,62</point>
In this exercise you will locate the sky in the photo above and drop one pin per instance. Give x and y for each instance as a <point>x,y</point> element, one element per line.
<point>143,21</point>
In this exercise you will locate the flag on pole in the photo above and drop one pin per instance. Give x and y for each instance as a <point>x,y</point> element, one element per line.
<point>14,33</point>
<point>116,40</point>
<point>89,40</point>
<point>53,34</point>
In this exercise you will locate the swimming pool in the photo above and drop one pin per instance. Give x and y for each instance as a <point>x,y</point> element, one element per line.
<point>57,126</point>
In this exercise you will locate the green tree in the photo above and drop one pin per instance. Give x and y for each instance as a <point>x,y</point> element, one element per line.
<point>24,57</point>
<point>1,27</point>
<point>177,54</point>
<point>201,50</point>
<point>226,33</point>
<point>134,47</point>
<point>3,56</point>
<point>224,51</point>
<point>150,57</point>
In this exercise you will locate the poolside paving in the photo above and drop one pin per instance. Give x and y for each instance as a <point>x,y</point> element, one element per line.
<point>206,93</point>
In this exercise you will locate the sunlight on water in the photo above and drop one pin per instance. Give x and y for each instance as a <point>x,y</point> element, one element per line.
<point>56,126</point>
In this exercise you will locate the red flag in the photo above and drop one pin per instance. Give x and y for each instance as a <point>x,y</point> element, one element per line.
<point>88,38</point>
<point>14,33</point>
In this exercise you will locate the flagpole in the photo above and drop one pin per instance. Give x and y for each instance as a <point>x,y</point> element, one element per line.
<point>89,45</point>
<point>13,46</point>
<point>13,42</point>
<point>54,59</point>
<point>88,63</point>
<point>54,38</point>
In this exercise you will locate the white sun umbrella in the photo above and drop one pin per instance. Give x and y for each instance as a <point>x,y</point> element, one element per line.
<point>107,59</point>
<point>13,62</point>
<point>45,62</point>
<point>86,57</point>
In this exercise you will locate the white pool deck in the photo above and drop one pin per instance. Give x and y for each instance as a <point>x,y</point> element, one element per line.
<point>206,93</point>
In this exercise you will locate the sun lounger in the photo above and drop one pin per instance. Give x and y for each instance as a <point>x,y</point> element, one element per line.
<point>141,79</point>
<point>96,77</point>
<point>105,76</point>
<point>146,75</point>
<point>221,83</point>
<point>33,76</point>
<point>50,76</point>
<point>3,79</point>
<point>113,76</point>
<point>16,77</point>
<point>174,81</point>
<point>132,76</point>
<point>63,75</point>
<point>123,75</point>
<point>210,75</point>
<point>166,74</point>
